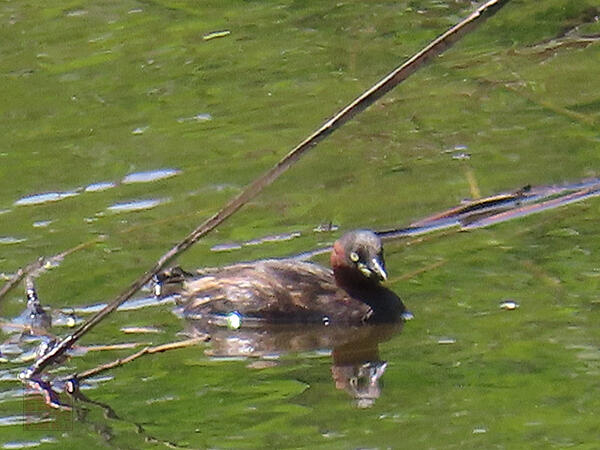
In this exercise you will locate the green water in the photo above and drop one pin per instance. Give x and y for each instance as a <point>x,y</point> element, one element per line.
<point>94,91</point>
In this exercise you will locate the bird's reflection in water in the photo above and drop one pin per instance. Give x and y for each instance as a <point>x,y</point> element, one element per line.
<point>356,367</point>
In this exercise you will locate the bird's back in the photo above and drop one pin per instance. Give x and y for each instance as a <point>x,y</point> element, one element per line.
<point>275,291</point>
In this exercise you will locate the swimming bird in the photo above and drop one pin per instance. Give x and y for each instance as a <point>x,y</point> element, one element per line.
<point>291,291</point>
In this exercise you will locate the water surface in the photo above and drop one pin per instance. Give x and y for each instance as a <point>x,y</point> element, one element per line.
<point>133,121</point>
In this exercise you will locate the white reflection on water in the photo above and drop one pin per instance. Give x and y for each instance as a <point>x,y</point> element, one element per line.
<point>129,305</point>
<point>139,130</point>
<point>269,238</point>
<point>6,240</point>
<point>29,444</point>
<point>136,205</point>
<point>98,187</point>
<point>149,176</point>
<point>137,177</point>
<point>46,197</point>
<point>202,117</point>
<point>41,223</point>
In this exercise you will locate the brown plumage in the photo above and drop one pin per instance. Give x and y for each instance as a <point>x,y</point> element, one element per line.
<point>290,291</point>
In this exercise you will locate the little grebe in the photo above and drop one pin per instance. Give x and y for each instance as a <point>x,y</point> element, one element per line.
<point>290,291</point>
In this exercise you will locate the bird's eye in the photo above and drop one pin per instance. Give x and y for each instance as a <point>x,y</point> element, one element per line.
<point>354,257</point>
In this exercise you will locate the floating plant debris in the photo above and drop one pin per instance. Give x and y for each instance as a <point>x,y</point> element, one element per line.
<point>141,330</point>
<point>325,227</point>
<point>48,197</point>
<point>509,305</point>
<point>149,176</point>
<point>139,130</point>
<point>461,156</point>
<point>216,35</point>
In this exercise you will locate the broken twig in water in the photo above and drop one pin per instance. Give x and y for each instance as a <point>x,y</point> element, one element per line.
<point>52,398</point>
<point>40,264</point>
<point>145,351</point>
<point>20,274</point>
<point>433,49</point>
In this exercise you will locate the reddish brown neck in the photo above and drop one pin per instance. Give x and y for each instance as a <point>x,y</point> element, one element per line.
<point>347,277</point>
<point>385,305</point>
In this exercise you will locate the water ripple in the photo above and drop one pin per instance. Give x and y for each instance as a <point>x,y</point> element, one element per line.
<point>202,117</point>
<point>41,223</point>
<point>136,205</point>
<point>129,305</point>
<point>20,420</point>
<point>149,176</point>
<point>28,444</point>
<point>262,240</point>
<point>47,197</point>
<point>98,187</point>
<point>7,240</point>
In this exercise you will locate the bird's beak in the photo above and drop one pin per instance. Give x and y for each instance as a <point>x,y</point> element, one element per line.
<point>376,267</point>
